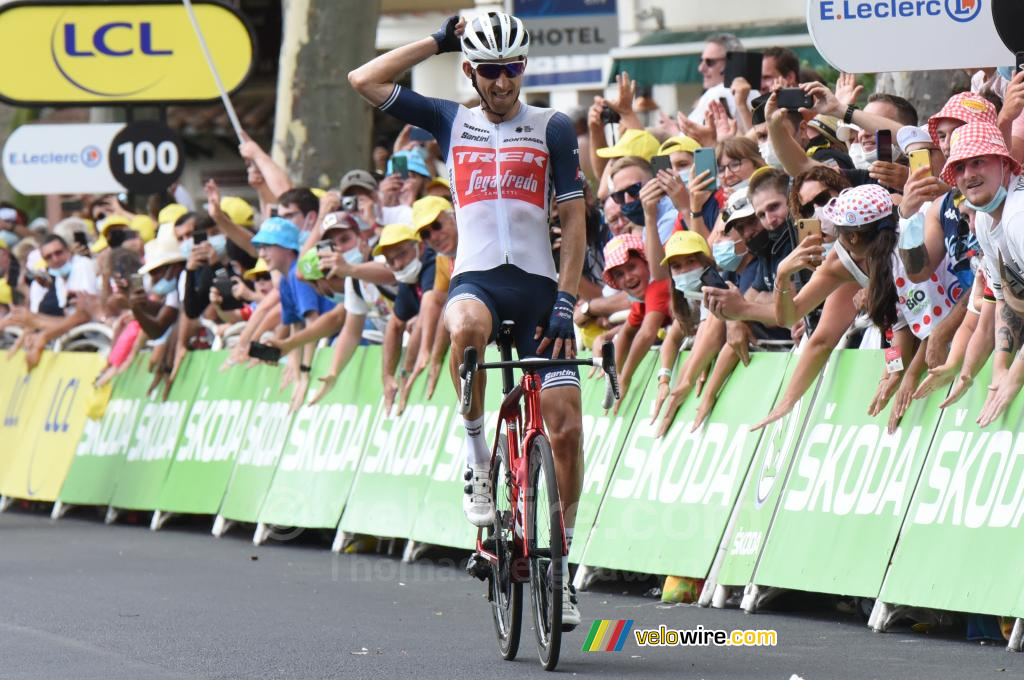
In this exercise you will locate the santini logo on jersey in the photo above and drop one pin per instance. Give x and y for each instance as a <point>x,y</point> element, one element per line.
<point>522,174</point>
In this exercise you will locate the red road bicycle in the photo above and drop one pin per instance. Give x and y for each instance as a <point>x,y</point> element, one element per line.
<point>527,539</point>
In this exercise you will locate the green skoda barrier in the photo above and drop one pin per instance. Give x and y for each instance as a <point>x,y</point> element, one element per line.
<point>849,487</point>
<point>603,437</point>
<point>325,444</point>
<point>213,433</point>
<point>101,451</point>
<point>395,471</point>
<point>669,500</point>
<point>755,507</point>
<point>261,447</point>
<point>960,547</point>
<point>154,440</point>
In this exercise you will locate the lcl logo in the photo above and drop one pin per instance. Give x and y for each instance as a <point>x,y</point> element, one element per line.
<point>124,40</point>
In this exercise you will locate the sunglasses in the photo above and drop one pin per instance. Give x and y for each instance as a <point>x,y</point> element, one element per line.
<point>711,62</point>
<point>426,231</point>
<point>512,69</point>
<point>261,277</point>
<point>633,190</point>
<point>820,201</point>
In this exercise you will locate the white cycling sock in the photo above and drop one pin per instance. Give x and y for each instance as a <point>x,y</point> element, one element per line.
<point>477,454</point>
<point>565,557</point>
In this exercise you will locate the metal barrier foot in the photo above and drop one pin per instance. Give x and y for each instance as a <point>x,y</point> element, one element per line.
<point>341,539</point>
<point>1016,637</point>
<point>111,515</point>
<point>414,550</point>
<point>720,596</point>
<point>159,519</point>
<point>5,503</point>
<point>221,525</point>
<point>59,510</point>
<point>755,597</point>
<point>261,534</point>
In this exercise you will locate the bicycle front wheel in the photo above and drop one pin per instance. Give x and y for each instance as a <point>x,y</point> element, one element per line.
<point>506,593</point>
<point>544,538</point>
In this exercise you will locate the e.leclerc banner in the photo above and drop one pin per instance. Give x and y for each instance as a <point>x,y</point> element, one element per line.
<point>100,454</point>
<point>960,546</point>
<point>604,435</point>
<point>850,485</point>
<point>54,425</point>
<point>215,428</point>
<point>151,451</point>
<point>755,507</point>
<point>669,499</point>
<point>261,446</point>
<point>324,446</point>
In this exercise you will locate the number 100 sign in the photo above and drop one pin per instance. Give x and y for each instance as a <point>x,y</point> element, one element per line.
<point>146,157</point>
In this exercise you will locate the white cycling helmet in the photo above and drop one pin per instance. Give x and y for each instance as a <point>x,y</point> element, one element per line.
<point>494,36</point>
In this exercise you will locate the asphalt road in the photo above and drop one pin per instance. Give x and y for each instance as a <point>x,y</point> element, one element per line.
<point>82,600</point>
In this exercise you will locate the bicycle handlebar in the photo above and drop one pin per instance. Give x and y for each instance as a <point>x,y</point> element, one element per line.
<point>606,362</point>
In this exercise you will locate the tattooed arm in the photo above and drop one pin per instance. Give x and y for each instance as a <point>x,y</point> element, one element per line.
<point>1007,375</point>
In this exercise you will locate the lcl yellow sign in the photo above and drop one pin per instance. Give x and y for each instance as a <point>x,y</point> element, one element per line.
<point>114,52</point>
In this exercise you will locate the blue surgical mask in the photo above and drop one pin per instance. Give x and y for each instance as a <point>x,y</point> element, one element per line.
<point>684,177</point>
<point>726,256</point>
<point>186,247</point>
<point>1006,72</point>
<point>687,281</point>
<point>992,205</point>
<point>164,287</point>
<point>634,212</point>
<point>634,299</point>
<point>828,247</point>
<point>8,237</point>
<point>353,256</point>
<point>219,243</point>
<point>62,272</point>
<point>338,298</point>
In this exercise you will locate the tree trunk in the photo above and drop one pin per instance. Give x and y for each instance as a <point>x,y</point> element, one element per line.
<point>926,90</point>
<point>322,127</point>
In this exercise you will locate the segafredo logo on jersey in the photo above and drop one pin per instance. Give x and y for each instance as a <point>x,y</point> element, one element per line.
<point>973,479</point>
<point>960,11</point>
<point>514,172</point>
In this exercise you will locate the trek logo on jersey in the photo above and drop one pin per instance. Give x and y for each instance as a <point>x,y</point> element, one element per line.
<point>523,173</point>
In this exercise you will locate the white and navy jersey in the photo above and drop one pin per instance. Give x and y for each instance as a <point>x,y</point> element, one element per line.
<point>1004,239</point>
<point>502,175</point>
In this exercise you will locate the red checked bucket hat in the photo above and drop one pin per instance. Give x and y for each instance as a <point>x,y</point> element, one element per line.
<point>965,107</point>
<point>973,140</point>
<point>616,252</point>
<point>860,205</point>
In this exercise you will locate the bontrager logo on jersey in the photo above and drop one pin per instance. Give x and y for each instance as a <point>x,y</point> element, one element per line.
<point>523,173</point>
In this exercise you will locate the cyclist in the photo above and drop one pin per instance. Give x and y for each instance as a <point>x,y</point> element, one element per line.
<point>505,161</point>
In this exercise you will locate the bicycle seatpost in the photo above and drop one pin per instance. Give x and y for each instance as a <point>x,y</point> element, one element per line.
<point>608,365</point>
<point>466,371</point>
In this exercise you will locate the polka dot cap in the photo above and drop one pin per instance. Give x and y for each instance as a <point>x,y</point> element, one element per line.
<point>858,206</point>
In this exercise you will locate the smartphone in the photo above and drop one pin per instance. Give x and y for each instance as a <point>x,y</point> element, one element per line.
<point>710,277</point>
<point>72,206</point>
<point>400,166</point>
<point>659,163</point>
<point>808,227</point>
<point>744,65</point>
<point>257,350</point>
<point>704,159</point>
<point>198,236</point>
<point>350,203</point>
<point>81,239</point>
<point>725,105</point>
<point>883,142</point>
<point>224,284</point>
<point>1019,56</point>
<point>793,98</point>
<point>324,246</point>
<point>920,159</point>
<point>134,283</point>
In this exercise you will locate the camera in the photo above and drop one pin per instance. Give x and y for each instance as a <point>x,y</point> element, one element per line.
<point>609,117</point>
<point>350,203</point>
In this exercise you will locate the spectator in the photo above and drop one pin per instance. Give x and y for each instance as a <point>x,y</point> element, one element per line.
<point>712,70</point>
<point>156,305</point>
<point>380,155</point>
<point>299,206</point>
<point>397,194</point>
<point>629,175</point>
<point>780,67</point>
<point>616,221</point>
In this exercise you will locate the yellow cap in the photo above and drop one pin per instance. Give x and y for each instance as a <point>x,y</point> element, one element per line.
<point>260,268</point>
<point>99,245</point>
<point>170,213</point>
<point>394,234</point>
<point>238,209</point>
<point>439,182</point>
<point>145,227</point>
<point>685,243</point>
<point>318,192</point>
<point>632,143</point>
<point>109,223</point>
<point>678,143</point>
<point>426,210</point>
<point>6,297</point>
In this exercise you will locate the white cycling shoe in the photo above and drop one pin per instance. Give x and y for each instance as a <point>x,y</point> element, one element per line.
<point>477,502</point>
<point>570,609</point>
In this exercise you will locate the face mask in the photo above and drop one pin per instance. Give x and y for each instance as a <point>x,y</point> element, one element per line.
<point>1006,72</point>
<point>219,243</point>
<point>726,256</point>
<point>186,247</point>
<point>634,212</point>
<point>827,227</point>
<point>688,281</point>
<point>992,205</point>
<point>828,247</point>
<point>862,159</point>
<point>760,244</point>
<point>632,298</point>
<point>338,298</point>
<point>62,272</point>
<point>8,237</point>
<point>684,177</point>
<point>768,154</point>
<point>353,256</point>
<point>164,287</point>
<point>739,185</point>
<point>410,272</point>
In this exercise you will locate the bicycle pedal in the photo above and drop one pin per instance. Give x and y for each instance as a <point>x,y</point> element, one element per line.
<point>478,567</point>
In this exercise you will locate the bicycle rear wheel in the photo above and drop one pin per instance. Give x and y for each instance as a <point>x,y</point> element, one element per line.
<point>544,537</point>
<point>505,594</point>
